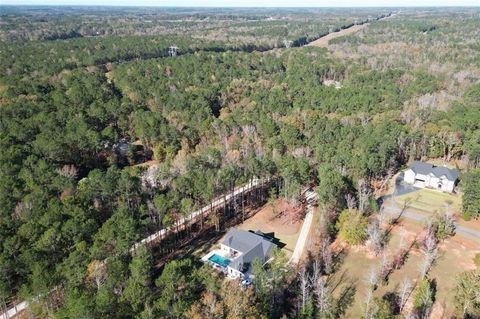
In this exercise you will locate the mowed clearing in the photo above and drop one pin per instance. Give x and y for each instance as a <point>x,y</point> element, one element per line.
<point>431,200</point>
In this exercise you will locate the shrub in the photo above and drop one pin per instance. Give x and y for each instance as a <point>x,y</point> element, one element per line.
<point>424,297</point>
<point>476,260</point>
<point>352,226</point>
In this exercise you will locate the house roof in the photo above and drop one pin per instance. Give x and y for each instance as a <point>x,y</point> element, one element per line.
<point>438,171</point>
<point>251,245</point>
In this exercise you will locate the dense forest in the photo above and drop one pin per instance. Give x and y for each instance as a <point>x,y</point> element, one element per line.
<point>90,98</point>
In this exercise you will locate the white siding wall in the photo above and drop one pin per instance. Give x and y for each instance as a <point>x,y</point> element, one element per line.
<point>433,182</point>
<point>430,181</point>
<point>448,186</point>
<point>409,176</point>
<point>233,272</point>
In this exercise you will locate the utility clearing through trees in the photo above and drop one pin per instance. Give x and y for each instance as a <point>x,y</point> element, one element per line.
<point>322,42</point>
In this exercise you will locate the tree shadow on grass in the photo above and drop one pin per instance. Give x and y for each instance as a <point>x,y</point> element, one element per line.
<point>335,280</point>
<point>338,259</point>
<point>345,300</point>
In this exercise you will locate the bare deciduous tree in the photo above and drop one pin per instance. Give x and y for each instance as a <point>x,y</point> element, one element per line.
<point>368,302</point>
<point>327,257</point>
<point>364,193</point>
<point>372,278</point>
<point>430,250</point>
<point>304,287</point>
<point>68,171</point>
<point>374,236</point>
<point>382,216</point>
<point>391,170</point>
<point>402,244</point>
<point>385,265</point>
<point>97,272</point>
<point>323,299</point>
<point>322,229</point>
<point>316,271</point>
<point>404,292</point>
<point>351,202</point>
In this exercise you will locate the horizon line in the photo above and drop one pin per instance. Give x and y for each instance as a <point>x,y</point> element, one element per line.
<point>227,7</point>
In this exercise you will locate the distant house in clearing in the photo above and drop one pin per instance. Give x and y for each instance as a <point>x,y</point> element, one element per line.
<point>238,251</point>
<point>426,175</point>
<point>334,83</point>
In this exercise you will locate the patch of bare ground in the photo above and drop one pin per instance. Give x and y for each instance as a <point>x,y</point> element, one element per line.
<point>456,255</point>
<point>282,219</point>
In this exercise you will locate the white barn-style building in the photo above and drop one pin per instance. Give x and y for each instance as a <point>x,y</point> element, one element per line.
<point>424,175</point>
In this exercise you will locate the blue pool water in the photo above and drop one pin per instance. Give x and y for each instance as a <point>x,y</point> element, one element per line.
<point>219,260</point>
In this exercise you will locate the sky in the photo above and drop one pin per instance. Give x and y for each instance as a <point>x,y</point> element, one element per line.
<point>252,3</point>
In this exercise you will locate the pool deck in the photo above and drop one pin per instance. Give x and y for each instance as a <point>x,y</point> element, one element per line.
<point>218,252</point>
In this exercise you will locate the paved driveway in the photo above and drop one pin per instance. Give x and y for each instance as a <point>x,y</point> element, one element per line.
<point>311,198</point>
<point>401,188</point>
<point>422,216</point>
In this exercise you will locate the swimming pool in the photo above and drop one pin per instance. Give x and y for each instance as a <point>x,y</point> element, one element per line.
<point>224,262</point>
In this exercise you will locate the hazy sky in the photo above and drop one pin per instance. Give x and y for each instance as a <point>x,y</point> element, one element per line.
<point>254,3</point>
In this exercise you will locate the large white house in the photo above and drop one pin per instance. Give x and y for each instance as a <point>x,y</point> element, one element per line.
<point>238,250</point>
<point>426,175</point>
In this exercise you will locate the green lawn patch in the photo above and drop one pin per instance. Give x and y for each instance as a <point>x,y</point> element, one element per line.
<point>431,200</point>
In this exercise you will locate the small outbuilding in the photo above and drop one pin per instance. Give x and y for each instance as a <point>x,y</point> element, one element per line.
<point>425,175</point>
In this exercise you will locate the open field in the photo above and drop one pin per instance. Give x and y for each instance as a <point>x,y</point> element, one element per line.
<point>431,200</point>
<point>455,257</point>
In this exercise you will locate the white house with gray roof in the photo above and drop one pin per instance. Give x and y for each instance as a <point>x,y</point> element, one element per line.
<point>238,250</point>
<point>424,175</point>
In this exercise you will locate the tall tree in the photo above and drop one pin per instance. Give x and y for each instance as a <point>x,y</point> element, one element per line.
<point>471,194</point>
<point>331,188</point>
<point>467,294</point>
<point>137,290</point>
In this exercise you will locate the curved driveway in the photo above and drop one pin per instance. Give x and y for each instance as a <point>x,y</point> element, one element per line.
<point>421,216</point>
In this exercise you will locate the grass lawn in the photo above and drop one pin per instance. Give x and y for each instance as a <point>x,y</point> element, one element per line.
<point>357,262</point>
<point>431,200</point>
<point>284,228</point>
